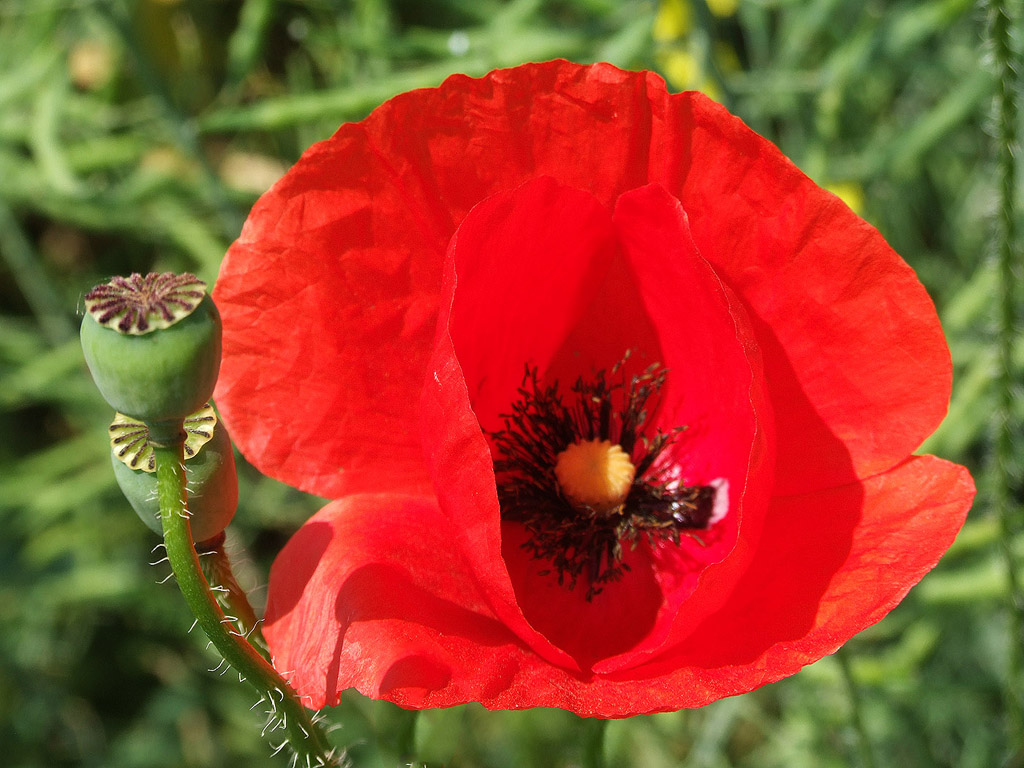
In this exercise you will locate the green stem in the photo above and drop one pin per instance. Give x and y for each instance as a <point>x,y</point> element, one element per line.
<point>305,737</point>
<point>221,578</point>
<point>594,730</point>
<point>1000,38</point>
<point>867,755</point>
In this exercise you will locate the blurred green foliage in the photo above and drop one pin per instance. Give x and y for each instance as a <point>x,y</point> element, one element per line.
<point>135,136</point>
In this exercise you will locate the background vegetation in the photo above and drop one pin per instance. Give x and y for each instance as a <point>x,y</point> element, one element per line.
<point>135,136</point>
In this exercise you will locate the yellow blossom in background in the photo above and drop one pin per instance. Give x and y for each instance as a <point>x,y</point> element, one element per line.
<point>250,172</point>
<point>681,69</point>
<point>723,8</point>
<point>710,89</point>
<point>673,21</point>
<point>684,67</point>
<point>91,64</point>
<point>850,192</point>
<point>684,72</point>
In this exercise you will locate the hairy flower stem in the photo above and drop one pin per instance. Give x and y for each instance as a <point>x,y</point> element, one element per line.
<point>304,736</point>
<point>221,578</point>
<point>1000,32</point>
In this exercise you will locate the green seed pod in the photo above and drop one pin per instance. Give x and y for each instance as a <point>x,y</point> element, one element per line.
<point>209,472</point>
<point>153,346</point>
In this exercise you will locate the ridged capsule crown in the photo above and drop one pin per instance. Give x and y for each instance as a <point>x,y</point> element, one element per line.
<point>153,346</point>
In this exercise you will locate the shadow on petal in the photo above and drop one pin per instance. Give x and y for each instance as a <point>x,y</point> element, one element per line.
<point>383,599</point>
<point>799,551</point>
<point>310,542</point>
<point>380,591</point>
<point>414,676</point>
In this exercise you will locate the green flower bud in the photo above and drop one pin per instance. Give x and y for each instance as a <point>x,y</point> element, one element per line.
<point>209,472</point>
<point>153,346</point>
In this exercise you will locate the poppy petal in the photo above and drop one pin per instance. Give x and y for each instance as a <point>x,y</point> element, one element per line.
<point>526,265</point>
<point>370,595</point>
<point>830,564</point>
<point>314,282</point>
<point>657,297</point>
<point>587,206</point>
<point>718,393</point>
<point>853,351</point>
<point>321,257</point>
<point>492,302</point>
<point>344,256</point>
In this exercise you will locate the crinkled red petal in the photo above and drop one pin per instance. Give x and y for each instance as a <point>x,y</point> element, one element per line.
<point>857,364</point>
<point>330,295</point>
<point>545,276</point>
<point>830,563</point>
<point>370,595</point>
<point>329,310</point>
<point>331,300</point>
<point>716,389</point>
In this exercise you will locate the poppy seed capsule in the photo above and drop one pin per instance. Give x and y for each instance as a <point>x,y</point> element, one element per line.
<point>210,474</point>
<point>153,346</point>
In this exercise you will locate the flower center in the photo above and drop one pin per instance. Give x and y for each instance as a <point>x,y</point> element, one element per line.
<point>595,475</point>
<point>583,479</point>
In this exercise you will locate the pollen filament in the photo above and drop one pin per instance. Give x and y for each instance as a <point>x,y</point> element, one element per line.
<point>596,474</point>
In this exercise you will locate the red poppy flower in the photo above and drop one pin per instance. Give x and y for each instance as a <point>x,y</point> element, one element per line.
<point>615,405</point>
